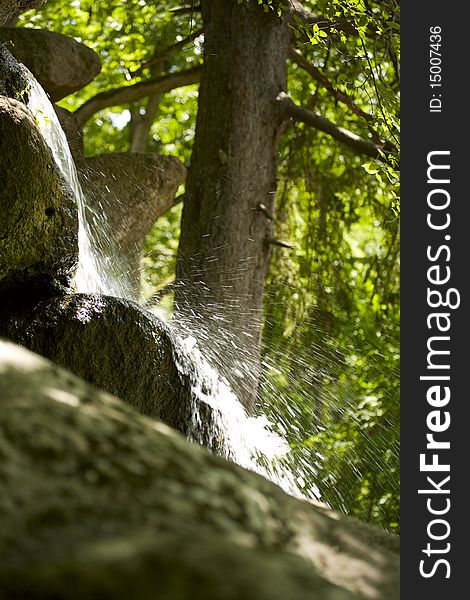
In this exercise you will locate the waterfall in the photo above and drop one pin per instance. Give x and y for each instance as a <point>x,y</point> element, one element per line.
<point>98,270</point>
<point>219,421</point>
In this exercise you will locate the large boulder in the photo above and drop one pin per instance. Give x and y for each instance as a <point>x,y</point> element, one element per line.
<point>97,501</point>
<point>133,188</point>
<point>11,8</point>
<point>112,343</point>
<point>38,215</point>
<point>129,191</point>
<point>60,64</point>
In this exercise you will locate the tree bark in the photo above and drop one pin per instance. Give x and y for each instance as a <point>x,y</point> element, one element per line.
<point>141,124</point>
<point>131,93</point>
<point>225,238</point>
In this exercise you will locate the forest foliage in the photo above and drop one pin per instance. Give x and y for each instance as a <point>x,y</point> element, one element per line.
<point>331,331</point>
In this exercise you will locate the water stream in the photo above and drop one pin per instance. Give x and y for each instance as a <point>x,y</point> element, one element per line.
<point>219,421</point>
<point>97,269</point>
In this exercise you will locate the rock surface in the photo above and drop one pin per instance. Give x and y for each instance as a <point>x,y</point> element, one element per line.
<point>123,349</point>
<point>134,189</point>
<point>11,8</point>
<point>73,132</point>
<point>38,216</point>
<point>60,64</point>
<point>97,501</point>
<point>13,81</point>
<point>130,191</point>
<point>112,343</point>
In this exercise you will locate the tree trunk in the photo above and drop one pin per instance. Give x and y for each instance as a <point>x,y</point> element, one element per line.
<point>227,226</point>
<point>141,124</point>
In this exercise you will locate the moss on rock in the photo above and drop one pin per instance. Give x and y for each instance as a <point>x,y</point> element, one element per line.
<point>111,343</point>
<point>38,216</point>
<point>99,501</point>
<point>60,64</point>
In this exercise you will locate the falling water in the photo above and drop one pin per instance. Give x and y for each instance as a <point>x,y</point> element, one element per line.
<point>97,270</point>
<point>221,423</point>
<point>219,420</point>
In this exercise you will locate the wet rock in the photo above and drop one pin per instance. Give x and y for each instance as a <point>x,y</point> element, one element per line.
<point>13,80</point>
<point>38,216</point>
<point>12,8</point>
<point>60,64</point>
<point>134,189</point>
<point>123,349</point>
<point>112,343</point>
<point>97,501</point>
<point>131,191</point>
<point>73,132</point>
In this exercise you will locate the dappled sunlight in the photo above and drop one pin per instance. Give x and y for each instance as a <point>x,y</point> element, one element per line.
<point>348,552</point>
<point>218,300</point>
<point>62,396</point>
<point>14,356</point>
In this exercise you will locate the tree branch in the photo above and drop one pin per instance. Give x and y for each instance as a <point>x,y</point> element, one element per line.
<point>280,243</point>
<point>131,93</point>
<point>304,15</point>
<point>299,59</point>
<point>361,146</point>
<point>185,10</point>
<point>159,55</point>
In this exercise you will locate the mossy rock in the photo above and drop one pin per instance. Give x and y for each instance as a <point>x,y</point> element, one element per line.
<point>97,501</point>
<point>12,8</point>
<point>38,214</point>
<point>13,79</point>
<point>60,64</point>
<point>112,343</point>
